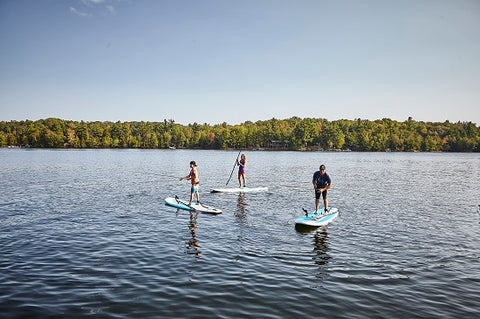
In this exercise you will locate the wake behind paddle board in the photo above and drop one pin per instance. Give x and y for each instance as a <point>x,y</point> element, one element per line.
<point>239,190</point>
<point>318,220</point>
<point>181,204</point>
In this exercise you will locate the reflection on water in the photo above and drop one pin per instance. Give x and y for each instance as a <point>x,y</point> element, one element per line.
<point>478,211</point>
<point>193,246</point>
<point>321,249</point>
<point>242,211</point>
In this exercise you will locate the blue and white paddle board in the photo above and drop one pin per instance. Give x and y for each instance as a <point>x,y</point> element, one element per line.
<point>316,220</point>
<point>239,190</point>
<point>181,204</point>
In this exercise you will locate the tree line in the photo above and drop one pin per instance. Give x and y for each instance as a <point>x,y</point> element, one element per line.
<point>290,134</point>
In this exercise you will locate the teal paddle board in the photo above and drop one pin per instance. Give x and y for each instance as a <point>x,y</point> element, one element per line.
<point>316,220</point>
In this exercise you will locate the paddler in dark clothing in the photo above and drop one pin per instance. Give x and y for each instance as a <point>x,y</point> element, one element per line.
<point>321,183</point>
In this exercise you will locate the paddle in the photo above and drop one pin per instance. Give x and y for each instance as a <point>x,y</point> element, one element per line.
<point>234,164</point>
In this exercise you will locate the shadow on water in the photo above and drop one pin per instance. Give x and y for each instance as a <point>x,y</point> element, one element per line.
<point>306,229</point>
<point>193,246</point>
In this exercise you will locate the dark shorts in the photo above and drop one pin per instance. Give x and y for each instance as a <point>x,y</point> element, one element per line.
<point>324,195</point>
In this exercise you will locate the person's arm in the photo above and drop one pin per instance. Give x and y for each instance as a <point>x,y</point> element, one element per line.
<point>328,186</point>
<point>189,176</point>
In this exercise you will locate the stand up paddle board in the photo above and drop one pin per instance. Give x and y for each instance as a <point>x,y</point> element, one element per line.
<point>315,220</point>
<point>178,203</point>
<point>239,190</point>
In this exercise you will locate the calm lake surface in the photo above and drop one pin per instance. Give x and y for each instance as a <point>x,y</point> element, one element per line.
<point>86,233</point>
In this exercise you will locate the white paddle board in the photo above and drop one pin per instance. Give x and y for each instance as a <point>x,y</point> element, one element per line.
<point>239,190</point>
<point>319,219</point>
<point>181,204</point>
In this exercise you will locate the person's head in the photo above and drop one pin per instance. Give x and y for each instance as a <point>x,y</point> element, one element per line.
<point>243,157</point>
<point>322,168</point>
<point>193,164</point>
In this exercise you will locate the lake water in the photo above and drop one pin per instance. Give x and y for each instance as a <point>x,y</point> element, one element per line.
<point>86,233</point>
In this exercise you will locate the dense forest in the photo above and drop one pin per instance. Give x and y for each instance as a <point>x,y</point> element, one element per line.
<point>288,134</point>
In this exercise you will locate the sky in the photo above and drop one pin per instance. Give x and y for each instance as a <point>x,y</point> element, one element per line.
<point>215,61</point>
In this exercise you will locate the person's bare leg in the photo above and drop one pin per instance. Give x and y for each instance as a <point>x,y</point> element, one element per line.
<point>191,199</point>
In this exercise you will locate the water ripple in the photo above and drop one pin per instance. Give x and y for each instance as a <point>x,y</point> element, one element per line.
<point>77,240</point>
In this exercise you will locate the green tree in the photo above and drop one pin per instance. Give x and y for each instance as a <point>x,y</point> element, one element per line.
<point>3,140</point>
<point>357,135</point>
<point>304,132</point>
<point>82,134</point>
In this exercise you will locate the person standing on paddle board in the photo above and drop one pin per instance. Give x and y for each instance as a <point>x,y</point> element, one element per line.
<point>321,183</point>
<point>193,177</point>
<point>241,170</point>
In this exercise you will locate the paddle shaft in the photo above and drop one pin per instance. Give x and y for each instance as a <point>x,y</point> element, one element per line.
<point>235,164</point>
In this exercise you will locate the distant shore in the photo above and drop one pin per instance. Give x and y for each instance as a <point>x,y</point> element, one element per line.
<point>292,134</point>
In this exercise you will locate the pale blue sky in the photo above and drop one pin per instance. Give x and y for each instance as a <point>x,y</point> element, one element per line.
<point>228,61</point>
